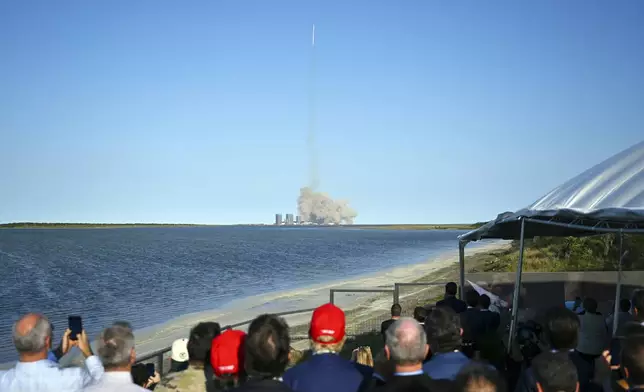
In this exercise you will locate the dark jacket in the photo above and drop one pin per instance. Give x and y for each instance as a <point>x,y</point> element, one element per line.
<point>585,375</point>
<point>492,320</point>
<point>415,383</point>
<point>445,366</point>
<point>473,322</point>
<point>452,302</point>
<point>328,373</point>
<point>385,325</point>
<point>263,386</point>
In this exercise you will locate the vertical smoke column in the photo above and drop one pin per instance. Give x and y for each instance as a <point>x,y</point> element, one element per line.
<point>313,162</point>
<point>314,206</point>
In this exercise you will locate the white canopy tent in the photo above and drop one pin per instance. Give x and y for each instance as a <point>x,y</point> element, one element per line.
<point>607,198</point>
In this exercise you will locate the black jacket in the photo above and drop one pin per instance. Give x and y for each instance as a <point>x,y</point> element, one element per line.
<point>263,386</point>
<point>385,325</point>
<point>456,304</point>
<point>416,383</point>
<point>585,375</point>
<point>492,320</point>
<point>473,322</point>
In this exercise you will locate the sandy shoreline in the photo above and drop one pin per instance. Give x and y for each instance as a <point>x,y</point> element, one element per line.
<point>358,306</point>
<point>362,309</point>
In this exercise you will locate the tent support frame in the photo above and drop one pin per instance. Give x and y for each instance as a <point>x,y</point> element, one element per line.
<point>517,287</point>
<point>599,229</point>
<point>618,289</point>
<point>461,267</point>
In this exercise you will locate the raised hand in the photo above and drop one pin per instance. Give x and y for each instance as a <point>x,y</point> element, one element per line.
<point>153,380</point>
<point>608,358</point>
<point>83,344</point>
<point>67,344</point>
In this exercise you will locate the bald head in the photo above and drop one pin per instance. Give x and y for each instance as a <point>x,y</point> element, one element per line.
<point>32,334</point>
<point>406,342</point>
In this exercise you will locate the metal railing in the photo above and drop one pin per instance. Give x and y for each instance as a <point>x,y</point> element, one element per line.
<point>333,291</point>
<point>159,356</point>
<point>397,287</point>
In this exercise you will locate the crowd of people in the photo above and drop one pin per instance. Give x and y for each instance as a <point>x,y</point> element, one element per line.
<point>452,345</point>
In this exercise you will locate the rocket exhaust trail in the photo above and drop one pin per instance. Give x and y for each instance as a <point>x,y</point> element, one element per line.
<point>314,206</point>
<point>314,181</point>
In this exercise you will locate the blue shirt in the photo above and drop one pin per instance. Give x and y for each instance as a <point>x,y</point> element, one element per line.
<point>52,356</point>
<point>445,366</point>
<point>46,376</point>
<point>327,373</point>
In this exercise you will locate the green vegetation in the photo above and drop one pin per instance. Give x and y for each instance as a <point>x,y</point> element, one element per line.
<point>556,254</point>
<point>37,225</point>
<point>451,226</point>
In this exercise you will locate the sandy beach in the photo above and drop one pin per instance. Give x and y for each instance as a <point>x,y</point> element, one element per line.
<point>364,311</point>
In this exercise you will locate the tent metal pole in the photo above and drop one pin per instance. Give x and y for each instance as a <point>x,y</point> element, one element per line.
<point>517,288</point>
<point>461,265</point>
<point>618,288</point>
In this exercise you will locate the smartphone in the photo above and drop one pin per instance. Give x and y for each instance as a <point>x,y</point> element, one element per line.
<point>150,367</point>
<point>76,326</point>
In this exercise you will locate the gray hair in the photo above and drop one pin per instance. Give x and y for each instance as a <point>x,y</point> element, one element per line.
<point>406,340</point>
<point>36,339</point>
<point>115,346</point>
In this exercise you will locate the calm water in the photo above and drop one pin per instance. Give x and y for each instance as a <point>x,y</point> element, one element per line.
<point>151,275</point>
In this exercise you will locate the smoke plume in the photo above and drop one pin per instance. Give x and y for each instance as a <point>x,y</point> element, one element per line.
<point>317,207</point>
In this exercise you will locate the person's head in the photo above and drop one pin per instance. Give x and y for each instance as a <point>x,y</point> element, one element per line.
<point>179,355</point>
<point>443,328</point>
<point>638,304</point>
<point>116,348</point>
<point>227,353</point>
<point>624,305</point>
<point>484,301</point>
<point>32,336</point>
<point>590,305</point>
<point>267,347</point>
<point>472,298</point>
<point>561,328</point>
<point>420,314</point>
<point>363,356</point>
<point>406,342</point>
<point>396,310</point>
<point>327,331</point>
<point>200,342</point>
<point>633,359</point>
<point>451,289</point>
<point>477,377</point>
<point>577,301</point>
<point>140,374</point>
<point>555,372</point>
<point>227,358</point>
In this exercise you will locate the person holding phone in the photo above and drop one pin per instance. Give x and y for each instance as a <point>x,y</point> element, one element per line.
<point>116,351</point>
<point>145,376</point>
<point>34,372</point>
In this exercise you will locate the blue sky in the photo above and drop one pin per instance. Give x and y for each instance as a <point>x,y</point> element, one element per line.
<point>196,111</point>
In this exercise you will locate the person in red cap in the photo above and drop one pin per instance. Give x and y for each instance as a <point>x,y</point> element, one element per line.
<point>326,371</point>
<point>227,359</point>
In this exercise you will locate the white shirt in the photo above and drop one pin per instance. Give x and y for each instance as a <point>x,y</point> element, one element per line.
<point>46,376</point>
<point>115,382</point>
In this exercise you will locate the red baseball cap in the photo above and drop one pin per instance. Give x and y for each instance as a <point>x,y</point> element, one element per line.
<point>327,320</point>
<point>226,352</point>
